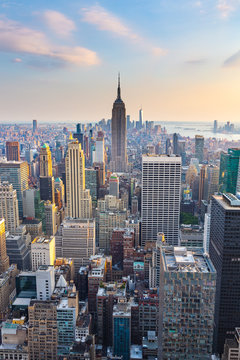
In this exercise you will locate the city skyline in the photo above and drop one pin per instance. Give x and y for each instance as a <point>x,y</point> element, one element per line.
<point>178,61</point>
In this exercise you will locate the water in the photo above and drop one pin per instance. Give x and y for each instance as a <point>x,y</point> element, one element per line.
<point>188,129</point>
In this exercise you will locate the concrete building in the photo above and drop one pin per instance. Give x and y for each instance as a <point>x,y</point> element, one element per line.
<point>9,206</point>
<point>51,211</point>
<point>107,295</point>
<point>42,332</point>
<point>114,185</point>
<point>14,341</point>
<point>16,173</point>
<point>12,151</point>
<point>186,304</point>
<point>101,271</point>
<point>45,282</point>
<point>79,202</point>
<point>43,252</point>
<point>7,290</point>
<point>76,240</point>
<point>161,195</point>
<point>119,135</point>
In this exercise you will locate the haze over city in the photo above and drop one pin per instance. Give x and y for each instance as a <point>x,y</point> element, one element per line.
<point>179,60</point>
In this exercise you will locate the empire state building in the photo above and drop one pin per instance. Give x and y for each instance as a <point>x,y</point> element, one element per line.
<point>119,134</point>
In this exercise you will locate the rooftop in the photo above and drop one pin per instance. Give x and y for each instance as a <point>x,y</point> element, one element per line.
<point>228,201</point>
<point>181,259</point>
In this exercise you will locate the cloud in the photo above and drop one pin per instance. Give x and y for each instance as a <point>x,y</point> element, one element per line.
<point>227,7</point>
<point>196,61</point>
<point>58,23</point>
<point>17,60</point>
<point>232,61</point>
<point>14,37</point>
<point>106,21</point>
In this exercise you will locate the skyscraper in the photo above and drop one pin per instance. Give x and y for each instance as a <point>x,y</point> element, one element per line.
<point>199,146</point>
<point>46,178</point>
<point>79,202</point>
<point>12,150</point>
<point>34,126</point>
<point>175,144</point>
<point>100,157</point>
<point>141,118</point>
<point>229,168</point>
<point>45,161</point>
<point>119,134</point>
<point>9,206</point>
<point>16,173</point>
<point>161,186</point>
<point>186,304</point>
<point>224,251</point>
<point>4,259</point>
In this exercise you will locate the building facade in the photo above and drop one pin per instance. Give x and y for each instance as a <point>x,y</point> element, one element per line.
<point>186,304</point>
<point>161,188</point>
<point>224,251</point>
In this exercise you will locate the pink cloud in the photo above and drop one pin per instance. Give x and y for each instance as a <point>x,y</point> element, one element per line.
<point>14,37</point>
<point>58,23</point>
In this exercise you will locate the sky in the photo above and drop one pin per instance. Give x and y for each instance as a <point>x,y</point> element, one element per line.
<point>179,59</point>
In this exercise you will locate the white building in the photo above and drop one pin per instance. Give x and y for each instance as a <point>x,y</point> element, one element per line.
<point>206,234</point>
<point>42,251</point>
<point>99,152</point>
<point>161,188</point>
<point>45,281</point>
<point>9,206</point>
<point>76,240</point>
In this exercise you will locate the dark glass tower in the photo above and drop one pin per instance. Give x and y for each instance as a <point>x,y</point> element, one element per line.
<point>224,250</point>
<point>228,175</point>
<point>119,134</point>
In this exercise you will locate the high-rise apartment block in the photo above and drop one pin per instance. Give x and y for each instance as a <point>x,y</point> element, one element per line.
<point>43,251</point>
<point>119,135</point>
<point>9,206</point>
<point>79,202</point>
<point>224,251</point>
<point>16,173</point>
<point>12,150</point>
<point>229,169</point>
<point>199,146</point>
<point>4,260</point>
<point>76,240</point>
<point>161,187</point>
<point>186,304</point>
<point>42,331</point>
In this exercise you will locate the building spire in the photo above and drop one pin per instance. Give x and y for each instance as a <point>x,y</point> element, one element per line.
<point>119,88</point>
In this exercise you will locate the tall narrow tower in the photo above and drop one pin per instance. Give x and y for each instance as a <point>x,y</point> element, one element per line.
<point>119,134</point>
<point>79,202</point>
<point>45,161</point>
